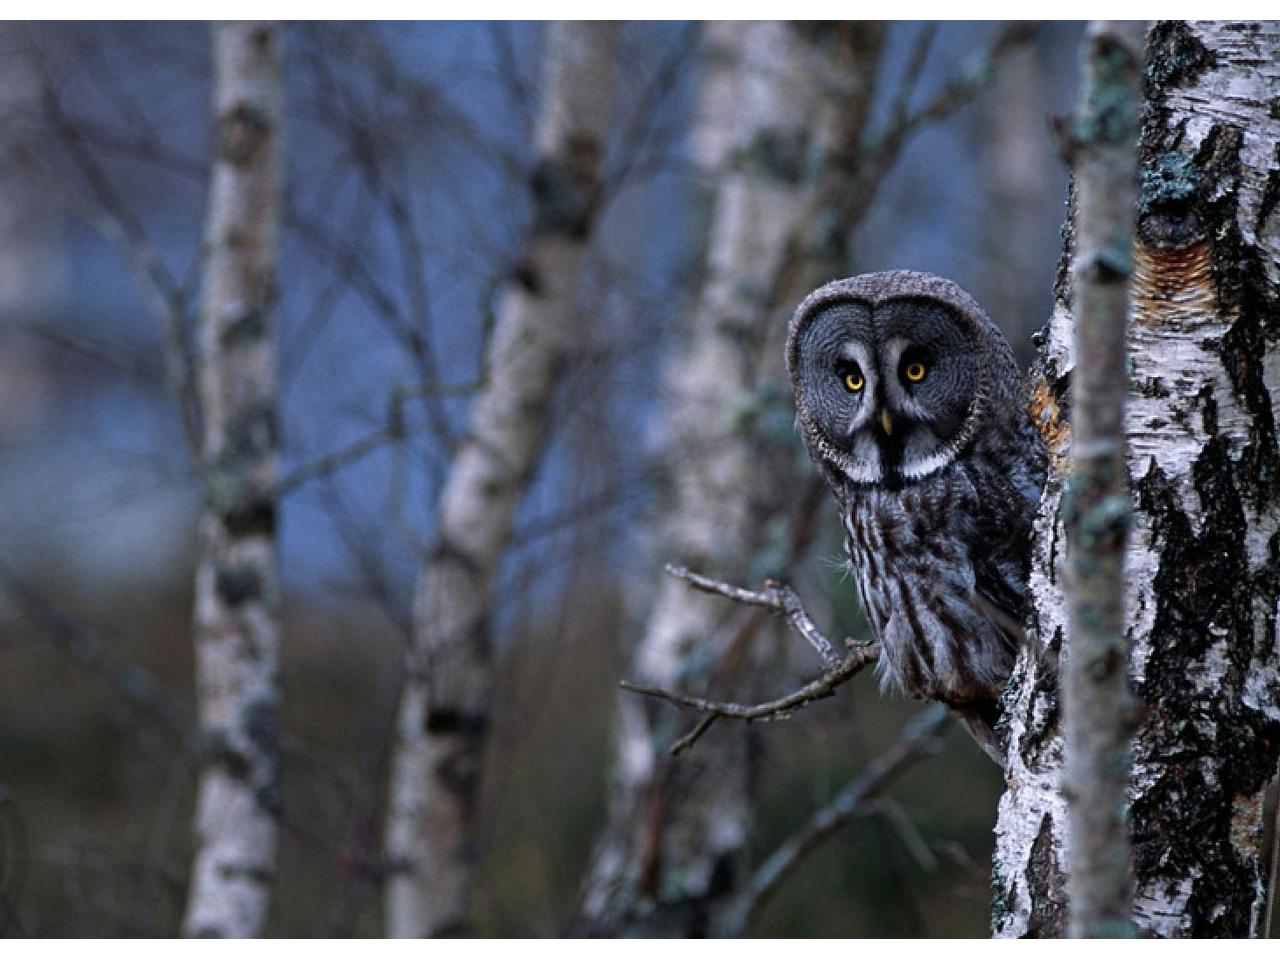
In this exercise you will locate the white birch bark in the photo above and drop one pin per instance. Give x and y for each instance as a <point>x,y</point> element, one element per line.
<point>237,618</point>
<point>431,838</point>
<point>1203,559</point>
<point>672,852</point>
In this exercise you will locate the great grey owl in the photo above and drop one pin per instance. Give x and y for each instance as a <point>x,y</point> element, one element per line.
<point>909,399</point>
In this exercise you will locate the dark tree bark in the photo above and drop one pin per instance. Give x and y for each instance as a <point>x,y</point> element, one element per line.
<point>1203,560</point>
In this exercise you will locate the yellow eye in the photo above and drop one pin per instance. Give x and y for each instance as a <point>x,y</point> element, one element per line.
<point>853,382</point>
<point>915,372</point>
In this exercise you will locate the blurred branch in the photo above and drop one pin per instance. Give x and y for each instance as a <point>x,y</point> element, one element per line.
<point>111,216</point>
<point>94,349</point>
<point>784,601</point>
<point>392,431</point>
<point>363,46</point>
<point>912,74</point>
<point>144,145</point>
<point>138,686</point>
<point>887,144</point>
<point>519,88</point>
<point>922,738</point>
<point>772,595</point>
<point>907,832</point>
<point>643,150</point>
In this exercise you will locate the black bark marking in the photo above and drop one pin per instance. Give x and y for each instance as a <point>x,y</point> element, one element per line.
<point>1270,193</point>
<point>1176,57</point>
<point>564,194</point>
<point>237,585</point>
<point>1046,885</point>
<point>246,330</point>
<point>1183,823</point>
<point>1244,291</point>
<point>780,155</point>
<point>249,517</point>
<point>242,131</point>
<point>218,752</point>
<point>450,720</point>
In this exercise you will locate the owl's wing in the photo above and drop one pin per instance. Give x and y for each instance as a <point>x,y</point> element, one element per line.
<point>1000,596</point>
<point>1001,550</point>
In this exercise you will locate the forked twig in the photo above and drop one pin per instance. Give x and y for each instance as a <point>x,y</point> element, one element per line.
<point>772,595</point>
<point>782,600</point>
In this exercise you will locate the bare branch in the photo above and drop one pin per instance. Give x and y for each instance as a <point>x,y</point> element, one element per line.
<point>774,596</point>
<point>907,832</point>
<point>138,686</point>
<point>921,739</point>
<point>111,216</point>
<point>392,431</point>
<point>782,600</point>
<point>911,76</point>
<point>825,686</point>
<point>903,122</point>
<point>93,348</point>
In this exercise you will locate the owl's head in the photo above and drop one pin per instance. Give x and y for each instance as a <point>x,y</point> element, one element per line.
<point>895,374</point>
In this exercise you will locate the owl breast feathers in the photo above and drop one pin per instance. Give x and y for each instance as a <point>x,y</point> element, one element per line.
<point>909,399</point>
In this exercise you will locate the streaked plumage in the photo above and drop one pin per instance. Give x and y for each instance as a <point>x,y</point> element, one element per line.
<point>910,400</point>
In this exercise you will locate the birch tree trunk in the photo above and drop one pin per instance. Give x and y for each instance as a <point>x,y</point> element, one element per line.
<point>1203,559</point>
<point>237,593</point>
<point>671,855</point>
<point>1095,689</point>
<point>431,840</point>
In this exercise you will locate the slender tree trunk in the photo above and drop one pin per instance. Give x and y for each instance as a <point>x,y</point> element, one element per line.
<point>1095,682</point>
<point>237,593</point>
<point>1203,558</point>
<point>671,855</point>
<point>446,702</point>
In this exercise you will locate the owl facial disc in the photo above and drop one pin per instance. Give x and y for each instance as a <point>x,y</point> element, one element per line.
<point>891,374</point>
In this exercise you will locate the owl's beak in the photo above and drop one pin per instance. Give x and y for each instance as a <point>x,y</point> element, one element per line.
<point>886,422</point>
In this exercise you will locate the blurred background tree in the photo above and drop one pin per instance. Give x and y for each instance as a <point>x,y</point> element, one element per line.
<point>414,180</point>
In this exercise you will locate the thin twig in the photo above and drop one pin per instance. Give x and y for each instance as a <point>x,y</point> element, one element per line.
<point>393,431</point>
<point>779,709</point>
<point>117,222</point>
<point>911,76</point>
<point>887,145</point>
<point>774,596</point>
<point>908,834</point>
<point>137,685</point>
<point>99,350</point>
<point>782,600</point>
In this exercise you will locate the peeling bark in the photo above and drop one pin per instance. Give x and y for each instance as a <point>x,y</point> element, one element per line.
<point>1203,560</point>
<point>671,856</point>
<point>431,838</point>
<point>237,593</point>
